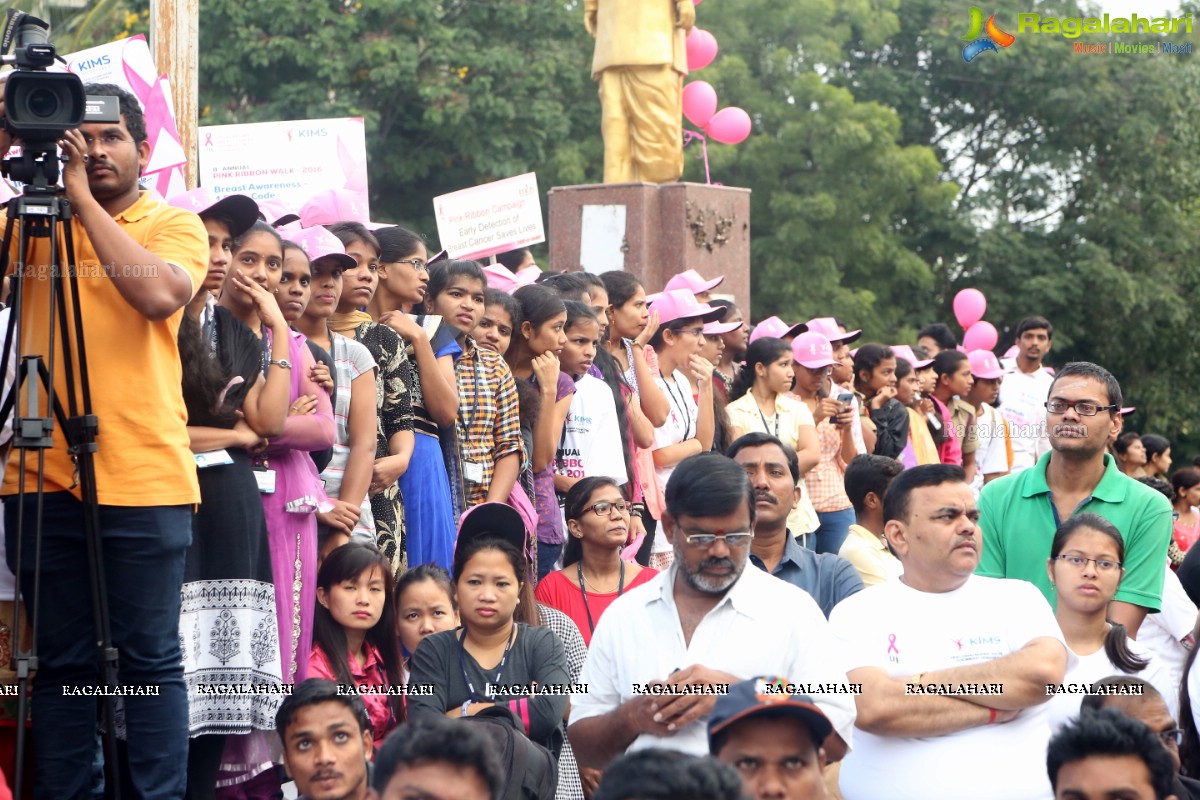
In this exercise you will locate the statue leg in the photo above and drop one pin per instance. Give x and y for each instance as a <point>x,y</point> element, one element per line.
<point>655,99</point>
<point>614,127</point>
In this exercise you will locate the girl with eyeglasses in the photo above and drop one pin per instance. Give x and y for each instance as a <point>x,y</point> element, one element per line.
<point>594,575</point>
<point>1085,568</point>
<point>431,347</point>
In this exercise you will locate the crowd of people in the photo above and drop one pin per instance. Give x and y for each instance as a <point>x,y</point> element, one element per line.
<point>486,527</point>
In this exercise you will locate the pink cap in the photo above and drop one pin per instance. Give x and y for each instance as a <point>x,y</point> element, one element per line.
<point>317,242</point>
<point>334,205</point>
<point>692,281</point>
<point>1128,410</point>
<point>984,365</point>
<point>676,304</point>
<point>499,278</point>
<point>828,327</point>
<point>776,328</point>
<point>906,352</point>
<point>813,350</point>
<point>277,213</point>
<point>239,209</point>
<point>718,328</point>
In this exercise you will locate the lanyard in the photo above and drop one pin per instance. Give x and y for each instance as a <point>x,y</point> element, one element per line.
<point>463,420</point>
<point>680,405</point>
<point>583,591</point>
<point>266,353</point>
<point>462,663</point>
<point>766,427</point>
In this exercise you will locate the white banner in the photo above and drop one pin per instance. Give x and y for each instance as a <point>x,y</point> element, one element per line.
<point>491,218</point>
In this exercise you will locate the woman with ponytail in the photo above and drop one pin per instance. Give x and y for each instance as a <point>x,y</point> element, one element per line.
<point>1085,568</point>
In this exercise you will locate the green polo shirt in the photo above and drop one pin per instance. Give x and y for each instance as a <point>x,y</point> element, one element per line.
<point>1018,521</point>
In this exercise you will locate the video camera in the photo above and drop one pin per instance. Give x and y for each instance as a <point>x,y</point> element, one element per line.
<point>39,105</point>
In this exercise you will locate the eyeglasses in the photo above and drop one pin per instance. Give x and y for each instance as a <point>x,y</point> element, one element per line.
<point>605,507</point>
<point>1171,737</point>
<point>707,540</point>
<point>1079,562</point>
<point>417,264</point>
<point>1082,408</point>
<point>693,331</point>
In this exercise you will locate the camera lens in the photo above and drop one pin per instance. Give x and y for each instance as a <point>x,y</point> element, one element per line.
<point>42,103</point>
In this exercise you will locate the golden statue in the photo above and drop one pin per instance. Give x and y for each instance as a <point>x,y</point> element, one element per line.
<point>640,61</point>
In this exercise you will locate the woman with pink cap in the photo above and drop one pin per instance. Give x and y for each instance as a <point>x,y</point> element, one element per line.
<point>689,426</point>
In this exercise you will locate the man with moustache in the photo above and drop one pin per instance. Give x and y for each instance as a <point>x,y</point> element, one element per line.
<point>327,741</point>
<point>774,471</point>
<point>953,666</point>
<point>1023,393</point>
<point>663,652</point>
<point>1020,512</point>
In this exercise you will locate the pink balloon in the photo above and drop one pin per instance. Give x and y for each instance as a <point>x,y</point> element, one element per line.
<point>981,336</point>
<point>729,125</point>
<point>969,307</point>
<point>701,49</point>
<point>699,102</point>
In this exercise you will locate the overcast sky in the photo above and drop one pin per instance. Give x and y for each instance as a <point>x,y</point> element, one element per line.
<point>1142,7</point>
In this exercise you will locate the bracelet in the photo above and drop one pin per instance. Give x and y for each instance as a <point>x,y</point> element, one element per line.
<point>467,703</point>
<point>991,716</point>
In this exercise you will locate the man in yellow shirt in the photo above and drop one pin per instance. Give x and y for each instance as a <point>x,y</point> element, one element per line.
<point>867,480</point>
<point>139,262</point>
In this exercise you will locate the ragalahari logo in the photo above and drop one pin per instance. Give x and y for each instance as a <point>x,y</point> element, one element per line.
<point>984,37</point>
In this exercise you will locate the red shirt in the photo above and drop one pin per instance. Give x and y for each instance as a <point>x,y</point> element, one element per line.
<point>557,591</point>
<point>370,674</point>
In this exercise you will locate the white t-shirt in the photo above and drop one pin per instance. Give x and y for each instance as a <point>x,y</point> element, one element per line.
<point>351,360</point>
<point>680,426</point>
<point>1085,670</point>
<point>1022,403</point>
<point>904,631</point>
<point>591,437</point>
<point>991,458</point>
<point>1163,633</point>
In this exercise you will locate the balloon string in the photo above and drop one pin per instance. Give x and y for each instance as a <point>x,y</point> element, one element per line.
<point>693,136</point>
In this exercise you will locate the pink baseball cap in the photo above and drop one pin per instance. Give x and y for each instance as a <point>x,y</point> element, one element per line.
<point>906,352</point>
<point>317,243</point>
<point>332,206</point>
<point>1011,352</point>
<point>240,210</point>
<point>984,365</point>
<point>676,304</point>
<point>499,278</point>
<point>828,327</point>
<point>812,350</point>
<point>692,281</point>
<point>1128,410</point>
<point>776,328</point>
<point>718,328</point>
<point>277,213</point>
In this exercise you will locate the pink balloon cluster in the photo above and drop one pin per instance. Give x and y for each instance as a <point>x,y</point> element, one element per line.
<point>969,307</point>
<point>729,125</point>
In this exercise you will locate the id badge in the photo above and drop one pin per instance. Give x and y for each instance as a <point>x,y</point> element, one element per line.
<point>472,472</point>
<point>213,458</point>
<point>265,478</point>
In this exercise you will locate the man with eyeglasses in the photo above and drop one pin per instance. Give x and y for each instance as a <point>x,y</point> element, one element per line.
<point>774,471</point>
<point>1020,512</point>
<point>1139,699</point>
<point>662,652</point>
<point>953,666</point>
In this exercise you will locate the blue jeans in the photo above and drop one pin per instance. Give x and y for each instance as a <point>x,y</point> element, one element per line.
<point>143,552</point>
<point>548,555</point>
<point>833,530</point>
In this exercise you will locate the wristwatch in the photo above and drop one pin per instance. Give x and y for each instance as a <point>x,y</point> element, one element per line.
<point>283,362</point>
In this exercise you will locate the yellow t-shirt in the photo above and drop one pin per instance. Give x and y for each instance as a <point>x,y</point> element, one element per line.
<point>142,456</point>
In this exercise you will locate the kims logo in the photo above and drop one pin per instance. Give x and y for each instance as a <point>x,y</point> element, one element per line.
<point>984,37</point>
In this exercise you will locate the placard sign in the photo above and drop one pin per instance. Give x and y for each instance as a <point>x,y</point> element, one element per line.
<point>491,218</point>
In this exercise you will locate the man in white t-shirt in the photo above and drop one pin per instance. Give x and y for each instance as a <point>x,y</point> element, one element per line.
<point>953,666</point>
<point>663,651</point>
<point>993,458</point>
<point>1024,391</point>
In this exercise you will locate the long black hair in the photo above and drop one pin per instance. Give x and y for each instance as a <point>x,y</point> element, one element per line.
<point>610,371</point>
<point>346,563</point>
<point>204,378</point>
<point>575,506</point>
<point>1116,642</point>
<point>765,351</point>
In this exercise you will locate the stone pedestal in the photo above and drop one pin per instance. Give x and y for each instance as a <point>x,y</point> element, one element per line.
<point>654,231</point>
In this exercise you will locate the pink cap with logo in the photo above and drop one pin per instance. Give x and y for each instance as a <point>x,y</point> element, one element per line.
<point>676,304</point>
<point>317,243</point>
<point>332,206</point>
<point>499,278</point>
<point>277,213</point>
<point>828,327</point>
<point>813,350</point>
<point>906,352</point>
<point>693,281</point>
<point>984,364</point>
<point>776,328</point>
<point>718,328</point>
<point>240,210</point>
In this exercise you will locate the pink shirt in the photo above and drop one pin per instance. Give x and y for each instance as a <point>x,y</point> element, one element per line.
<point>370,674</point>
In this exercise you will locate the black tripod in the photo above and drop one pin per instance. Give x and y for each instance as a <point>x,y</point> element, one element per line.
<point>38,213</point>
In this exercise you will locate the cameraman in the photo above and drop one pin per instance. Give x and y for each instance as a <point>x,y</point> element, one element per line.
<point>140,261</point>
